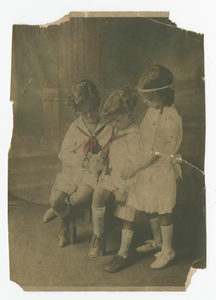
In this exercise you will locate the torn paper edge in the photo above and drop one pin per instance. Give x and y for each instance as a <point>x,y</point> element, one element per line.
<point>191,272</point>
<point>126,14</point>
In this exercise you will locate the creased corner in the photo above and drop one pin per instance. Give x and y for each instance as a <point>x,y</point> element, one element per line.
<point>189,276</point>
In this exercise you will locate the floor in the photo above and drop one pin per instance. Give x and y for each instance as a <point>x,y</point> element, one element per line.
<point>37,263</point>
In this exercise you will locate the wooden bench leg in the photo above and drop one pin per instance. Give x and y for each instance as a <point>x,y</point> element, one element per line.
<point>78,215</point>
<point>72,232</point>
<point>104,245</point>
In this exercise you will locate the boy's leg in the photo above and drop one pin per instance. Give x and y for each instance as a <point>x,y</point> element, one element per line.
<point>127,214</point>
<point>57,204</point>
<point>127,234</point>
<point>98,210</point>
<point>61,210</point>
<point>49,215</point>
<point>81,196</point>
<point>167,254</point>
<point>120,261</point>
<point>156,243</point>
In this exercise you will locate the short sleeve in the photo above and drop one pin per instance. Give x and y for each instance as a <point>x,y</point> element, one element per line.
<point>168,135</point>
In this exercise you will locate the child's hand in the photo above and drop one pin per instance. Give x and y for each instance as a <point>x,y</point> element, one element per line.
<point>128,173</point>
<point>120,199</point>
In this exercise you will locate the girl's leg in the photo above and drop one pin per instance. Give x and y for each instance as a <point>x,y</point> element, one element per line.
<point>157,237</point>
<point>167,254</point>
<point>155,227</point>
<point>98,210</point>
<point>166,219</point>
<point>167,232</point>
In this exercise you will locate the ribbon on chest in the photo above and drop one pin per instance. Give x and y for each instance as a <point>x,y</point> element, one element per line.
<point>92,144</point>
<point>113,138</point>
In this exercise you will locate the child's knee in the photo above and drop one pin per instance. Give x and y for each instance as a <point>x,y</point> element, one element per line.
<point>79,199</point>
<point>55,200</point>
<point>99,197</point>
<point>82,196</point>
<point>74,200</point>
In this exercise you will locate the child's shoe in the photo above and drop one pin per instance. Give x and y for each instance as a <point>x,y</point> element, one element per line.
<point>64,238</point>
<point>162,259</point>
<point>96,247</point>
<point>49,216</point>
<point>117,264</point>
<point>150,245</point>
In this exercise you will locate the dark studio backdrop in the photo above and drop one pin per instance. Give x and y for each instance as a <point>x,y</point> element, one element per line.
<point>111,52</point>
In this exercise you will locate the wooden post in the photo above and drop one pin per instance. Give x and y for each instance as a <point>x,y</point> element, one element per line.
<point>50,138</point>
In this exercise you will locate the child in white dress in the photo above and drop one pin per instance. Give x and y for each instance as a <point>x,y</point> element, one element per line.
<point>89,133</point>
<point>157,167</point>
<point>122,145</point>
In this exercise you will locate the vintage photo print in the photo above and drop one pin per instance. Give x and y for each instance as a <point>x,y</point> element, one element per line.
<point>106,187</point>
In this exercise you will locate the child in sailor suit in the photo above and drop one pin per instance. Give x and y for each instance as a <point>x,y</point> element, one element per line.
<point>121,147</point>
<point>73,151</point>
<point>89,133</point>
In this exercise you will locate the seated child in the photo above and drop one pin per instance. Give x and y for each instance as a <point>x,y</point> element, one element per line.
<point>88,133</point>
<point>122,145</point>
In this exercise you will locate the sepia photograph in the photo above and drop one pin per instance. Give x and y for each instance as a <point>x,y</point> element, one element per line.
<point>106,185</point>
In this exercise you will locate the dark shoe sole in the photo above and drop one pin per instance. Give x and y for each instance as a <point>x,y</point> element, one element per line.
<point>122,267</point>
<point>93,256</point>
<point>115,270</point>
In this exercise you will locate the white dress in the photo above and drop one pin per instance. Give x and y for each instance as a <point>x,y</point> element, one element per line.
<point>155,186</point>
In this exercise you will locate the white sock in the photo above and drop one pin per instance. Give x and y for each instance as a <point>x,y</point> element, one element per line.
<point>98,220</point>
<point>156,230</point>
<point>127,235</point>
<point>167,234</point>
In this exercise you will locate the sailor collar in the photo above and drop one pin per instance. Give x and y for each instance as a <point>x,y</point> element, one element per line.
<point>81,124</point>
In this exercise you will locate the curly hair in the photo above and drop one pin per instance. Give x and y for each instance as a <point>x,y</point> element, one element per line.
<point>81,92</point>
<point>155,77</point>
<point>120,101</point>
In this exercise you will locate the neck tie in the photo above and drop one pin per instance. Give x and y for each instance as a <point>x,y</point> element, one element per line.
<point>92,144</point>
<point>105,149</point>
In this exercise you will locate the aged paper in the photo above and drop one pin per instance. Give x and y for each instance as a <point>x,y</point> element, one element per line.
<point>112,50</point>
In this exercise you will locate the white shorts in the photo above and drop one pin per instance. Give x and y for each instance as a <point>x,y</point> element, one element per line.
<point>125,212</point>
<point>66,181</point>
